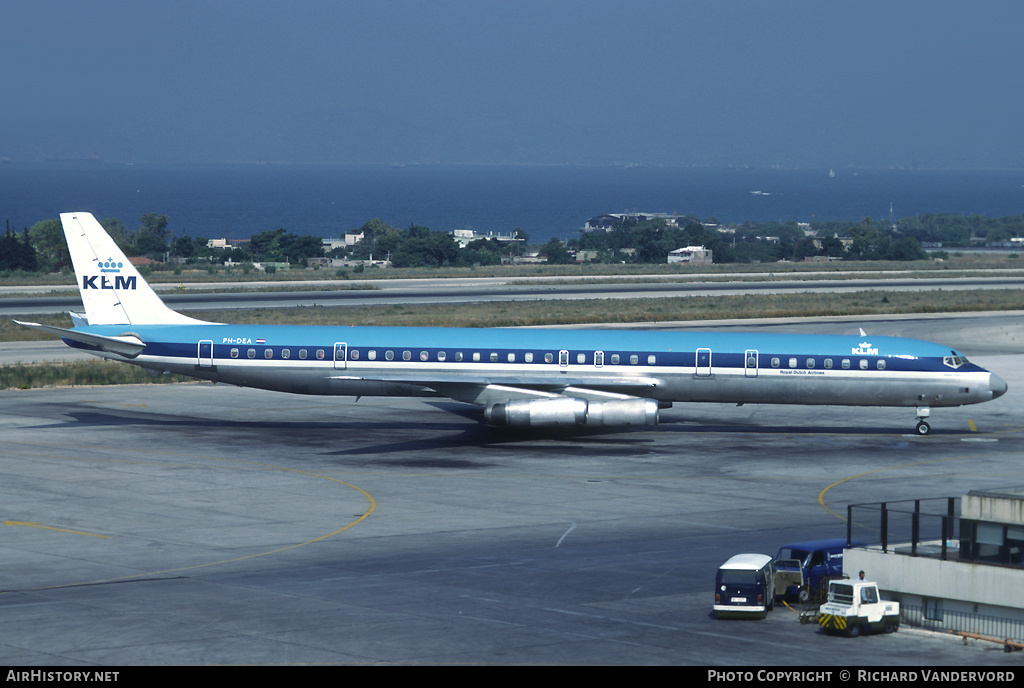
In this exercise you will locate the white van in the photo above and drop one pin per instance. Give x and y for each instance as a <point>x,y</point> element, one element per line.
<point>745,586</point>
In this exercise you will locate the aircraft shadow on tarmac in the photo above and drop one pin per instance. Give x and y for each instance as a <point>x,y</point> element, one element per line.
<point>425,444</point>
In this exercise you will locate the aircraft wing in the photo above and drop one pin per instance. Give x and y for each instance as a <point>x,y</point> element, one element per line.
<point>543,402</point>
<point>489,389</point>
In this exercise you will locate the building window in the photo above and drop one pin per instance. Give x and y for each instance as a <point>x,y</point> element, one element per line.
<point>932,609</point>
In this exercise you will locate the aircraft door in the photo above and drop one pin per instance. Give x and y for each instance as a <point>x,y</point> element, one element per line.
<point>340,355</point>
<point>204,354</point>
<point>750,363</point>
<point>703,363</point>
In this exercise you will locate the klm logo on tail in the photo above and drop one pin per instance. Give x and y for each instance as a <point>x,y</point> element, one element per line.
<point>110,266</point>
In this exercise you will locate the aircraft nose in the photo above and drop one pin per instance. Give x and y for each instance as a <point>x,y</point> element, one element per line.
<point>996,385</point>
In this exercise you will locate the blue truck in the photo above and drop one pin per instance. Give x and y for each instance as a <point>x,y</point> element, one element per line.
<point>803,569</point>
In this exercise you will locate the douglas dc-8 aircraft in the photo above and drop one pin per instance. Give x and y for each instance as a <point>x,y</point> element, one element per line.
<point>520,377</point>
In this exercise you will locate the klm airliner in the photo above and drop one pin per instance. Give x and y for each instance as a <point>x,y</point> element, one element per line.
<point>519,377</point>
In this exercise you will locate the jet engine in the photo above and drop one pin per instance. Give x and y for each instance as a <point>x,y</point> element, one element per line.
<point>572,411</point>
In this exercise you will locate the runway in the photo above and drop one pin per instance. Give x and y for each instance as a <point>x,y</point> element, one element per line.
<point>452,291</point>
<point>200,524</point>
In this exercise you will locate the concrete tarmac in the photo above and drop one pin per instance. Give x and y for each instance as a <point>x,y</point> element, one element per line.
<point>201,524</point>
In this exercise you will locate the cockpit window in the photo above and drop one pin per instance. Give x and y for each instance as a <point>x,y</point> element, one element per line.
<point>954,361</point>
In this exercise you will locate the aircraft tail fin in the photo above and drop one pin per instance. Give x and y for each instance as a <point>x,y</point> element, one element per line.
<point>113,291</point>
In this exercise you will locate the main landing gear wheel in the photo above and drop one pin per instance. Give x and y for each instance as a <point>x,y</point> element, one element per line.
<point>923,428</point>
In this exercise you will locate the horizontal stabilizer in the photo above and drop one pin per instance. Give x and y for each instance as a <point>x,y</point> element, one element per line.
<point>127,345</point>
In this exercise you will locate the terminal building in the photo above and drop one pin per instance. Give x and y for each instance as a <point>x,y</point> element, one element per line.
<point>972,584</point>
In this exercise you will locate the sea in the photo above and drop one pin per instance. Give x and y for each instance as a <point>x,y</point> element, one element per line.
<point>236,201</point>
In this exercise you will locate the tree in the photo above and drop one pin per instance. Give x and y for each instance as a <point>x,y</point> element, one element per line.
<point>117,231</point>
<point>832,247</point>
<point>556,252</point>
<point>51,248</point>
<point>151,238</point>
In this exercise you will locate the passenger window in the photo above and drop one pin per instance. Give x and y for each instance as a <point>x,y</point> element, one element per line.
<point>234,353</point>
<point>268,353</point>
<point>511,358</point>
<point>287,353</point>
<point>634,359</point>
<point>810,362</point>
<point>549,357</point>
<point>615,359</point>
<point>476,356</point>
<point>302,354</point>
<point>881,364</point>
<point>406,355</point>
<point>389,355</point>
<point>458,355</point>
<point>494,357</point>
<point>828,363</point>
<point>424,355</point>
<point>528,356</point>
<point>371,354</point>
<point>441,355</point>
<point>581,358</point>
<point>846,364</point>
<point>751,361</point>
<point>251,353</point>
<point>792,363</point>
<point>775,363</point>
<point>598,358</point>
<point>651,359</point>
<point>563,358</point>
<point>320,354</point>
<point>863,364</point>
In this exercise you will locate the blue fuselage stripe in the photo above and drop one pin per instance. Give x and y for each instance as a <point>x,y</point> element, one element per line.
<point>509,347</point>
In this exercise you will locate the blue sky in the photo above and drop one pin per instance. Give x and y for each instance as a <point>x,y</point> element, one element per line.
<point>869,83</point>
